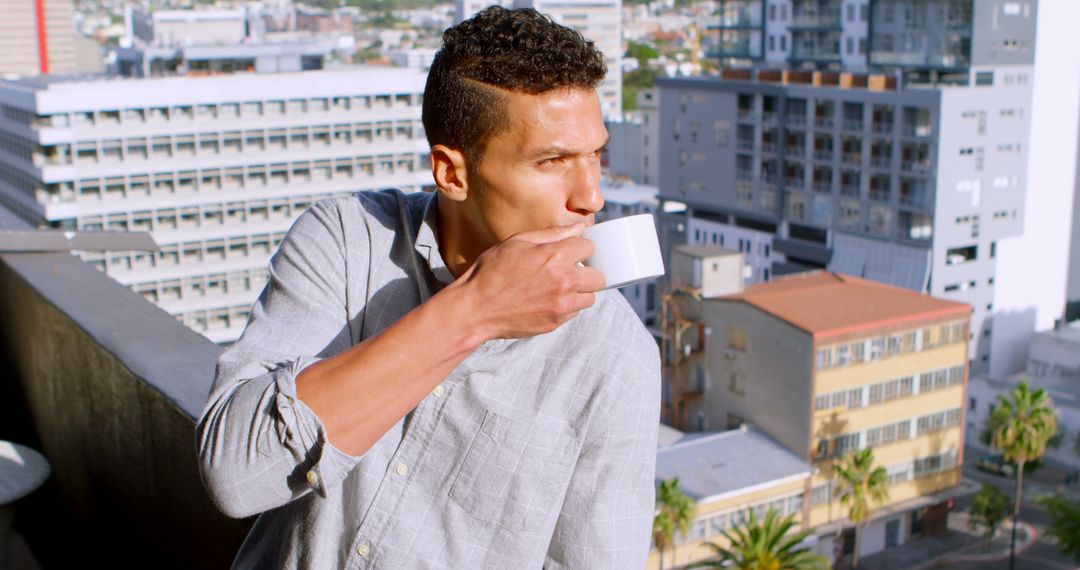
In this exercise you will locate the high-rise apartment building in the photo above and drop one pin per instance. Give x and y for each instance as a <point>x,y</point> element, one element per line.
<point>215,168</point>
<point>864,365</point>
<point>37,37</point>
<point>908,172</point>
<point>597,20</point>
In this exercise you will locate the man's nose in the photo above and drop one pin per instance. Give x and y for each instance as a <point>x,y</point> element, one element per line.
<point>585,196</point>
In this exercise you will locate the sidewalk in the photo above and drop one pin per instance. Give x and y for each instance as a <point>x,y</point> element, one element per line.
<point>957,543</point>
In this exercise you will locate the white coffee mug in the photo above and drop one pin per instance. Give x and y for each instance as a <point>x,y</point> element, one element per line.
<point>627,250</point>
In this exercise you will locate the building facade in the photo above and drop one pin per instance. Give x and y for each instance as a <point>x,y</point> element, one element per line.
<point>867,366</point>
<point>215,168</point>
<point>906,175</point>
<point>37,37</point>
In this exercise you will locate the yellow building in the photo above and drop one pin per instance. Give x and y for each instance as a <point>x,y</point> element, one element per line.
<point>827,364</point>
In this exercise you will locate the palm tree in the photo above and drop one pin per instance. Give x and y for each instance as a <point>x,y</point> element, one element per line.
<point>859,484</point>
<point>1022,423</point>
<point>674,512</point>
<point>765,545</point>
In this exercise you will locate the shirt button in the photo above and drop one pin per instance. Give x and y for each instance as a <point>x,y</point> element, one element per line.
<point>363,550</point>
<point>313,477</point>
<point>402,469</point>
<point>439,390</point>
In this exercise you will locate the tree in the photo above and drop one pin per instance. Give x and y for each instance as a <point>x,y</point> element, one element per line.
<point>1023,422</point>
<point>765,545</point>
<point>674,512</point>
<point>860,483</point>
<point>989,507</point>
<point>1064,524</point>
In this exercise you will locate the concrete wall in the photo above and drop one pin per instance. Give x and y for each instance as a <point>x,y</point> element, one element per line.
<point>772,378</point>
<point>110,386</point>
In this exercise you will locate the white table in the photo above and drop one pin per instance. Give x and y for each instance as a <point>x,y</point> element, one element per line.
<point>21,471</point>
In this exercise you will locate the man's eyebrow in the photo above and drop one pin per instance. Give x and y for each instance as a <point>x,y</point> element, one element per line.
<point>563,151</point>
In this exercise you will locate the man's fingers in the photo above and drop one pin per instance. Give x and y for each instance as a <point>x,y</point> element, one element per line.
<point>592,280</point>
<point>551,233</point>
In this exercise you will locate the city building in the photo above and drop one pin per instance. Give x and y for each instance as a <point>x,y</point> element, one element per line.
<point>1053,365</point>
<point>751,473</point>
<point>597,20</point>
<point>37,37</point>
<point>909,172</point>
<point>862,365</point>
<point>215,168</point>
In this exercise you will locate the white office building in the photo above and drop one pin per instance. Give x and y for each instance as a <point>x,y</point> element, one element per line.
<point>215,168</point>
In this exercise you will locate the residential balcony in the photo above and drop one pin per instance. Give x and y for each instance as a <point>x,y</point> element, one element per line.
<point>768,117</point>
<point>849,190</point>
<point>823,155</point>
<point>823,122</point>
<point>882,128</point>
<point>917,131</point>
<point>878,195</point>
<point>881,161</point>
<point>745,115</point>
<point>922,166</point>
<point>853,125</point>
<point>829,20</point>
<point>795,120</point>
<point>852,158</point>
<point>794,151</point>
<point>821,186</point>
<point>744,175</point>
<point>743,144</point>
<point>768,147</point>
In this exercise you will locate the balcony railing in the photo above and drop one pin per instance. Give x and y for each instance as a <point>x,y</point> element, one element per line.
<point>768,147</point>
<point>853,125</point>
<point>823,122</point>
<point>882,128</point>
<point>852,158</point>
<point>823,155</point>
<point>849,190</point>
<point>880,161</point>
<point>822,186</point>
<point>743,144</point>
<point>796,120</point>
<point>113,386</point>
<point>917,131</point>
<point>744,175</point>
<point>915,166</point>
<point>745,115</point>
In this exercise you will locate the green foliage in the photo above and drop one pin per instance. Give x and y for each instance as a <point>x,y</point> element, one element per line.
<point>1064,524</point>
<point>989,508</point>
<point>642,52</point>
<point>859,483</point>
<point>674,513</point>
<point>765,545</point>
<point>1022,424</point>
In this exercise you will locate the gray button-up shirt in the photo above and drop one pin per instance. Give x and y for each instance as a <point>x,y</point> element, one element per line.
<point>533,452</point>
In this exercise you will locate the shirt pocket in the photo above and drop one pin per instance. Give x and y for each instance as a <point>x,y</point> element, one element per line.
<point>514,474</point>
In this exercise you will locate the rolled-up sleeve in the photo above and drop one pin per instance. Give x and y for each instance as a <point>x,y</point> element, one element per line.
<point>259,445</point>
<point>607,514</point>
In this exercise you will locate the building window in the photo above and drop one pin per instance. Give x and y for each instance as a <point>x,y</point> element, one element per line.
<point>824,355</point>
<point>783,39</point>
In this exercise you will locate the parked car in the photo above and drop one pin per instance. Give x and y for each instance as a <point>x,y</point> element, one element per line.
<point>996,464</point>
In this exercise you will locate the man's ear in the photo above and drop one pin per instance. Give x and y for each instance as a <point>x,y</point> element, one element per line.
<point>450,173</point>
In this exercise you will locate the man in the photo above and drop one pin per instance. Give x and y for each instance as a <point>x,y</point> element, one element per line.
<point>433,380</point>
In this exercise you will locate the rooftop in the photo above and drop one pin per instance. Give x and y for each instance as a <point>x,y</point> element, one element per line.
<point>829,304</point>
<point>705,250</point>
<point>1069,333</point>
<point>714,466</point>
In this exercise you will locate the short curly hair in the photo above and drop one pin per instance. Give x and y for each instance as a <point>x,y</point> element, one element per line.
<point>500,50</point>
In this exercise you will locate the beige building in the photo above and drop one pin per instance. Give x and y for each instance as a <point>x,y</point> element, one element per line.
<point>37,37</point>
<point>827,364</point>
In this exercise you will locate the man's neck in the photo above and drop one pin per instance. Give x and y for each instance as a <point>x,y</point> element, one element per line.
<point>459,241</point>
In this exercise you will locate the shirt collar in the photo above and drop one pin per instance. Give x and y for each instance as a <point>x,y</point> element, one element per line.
<point>427,240</point>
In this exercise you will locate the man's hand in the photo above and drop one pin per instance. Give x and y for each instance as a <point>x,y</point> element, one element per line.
<point>531,283</point>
